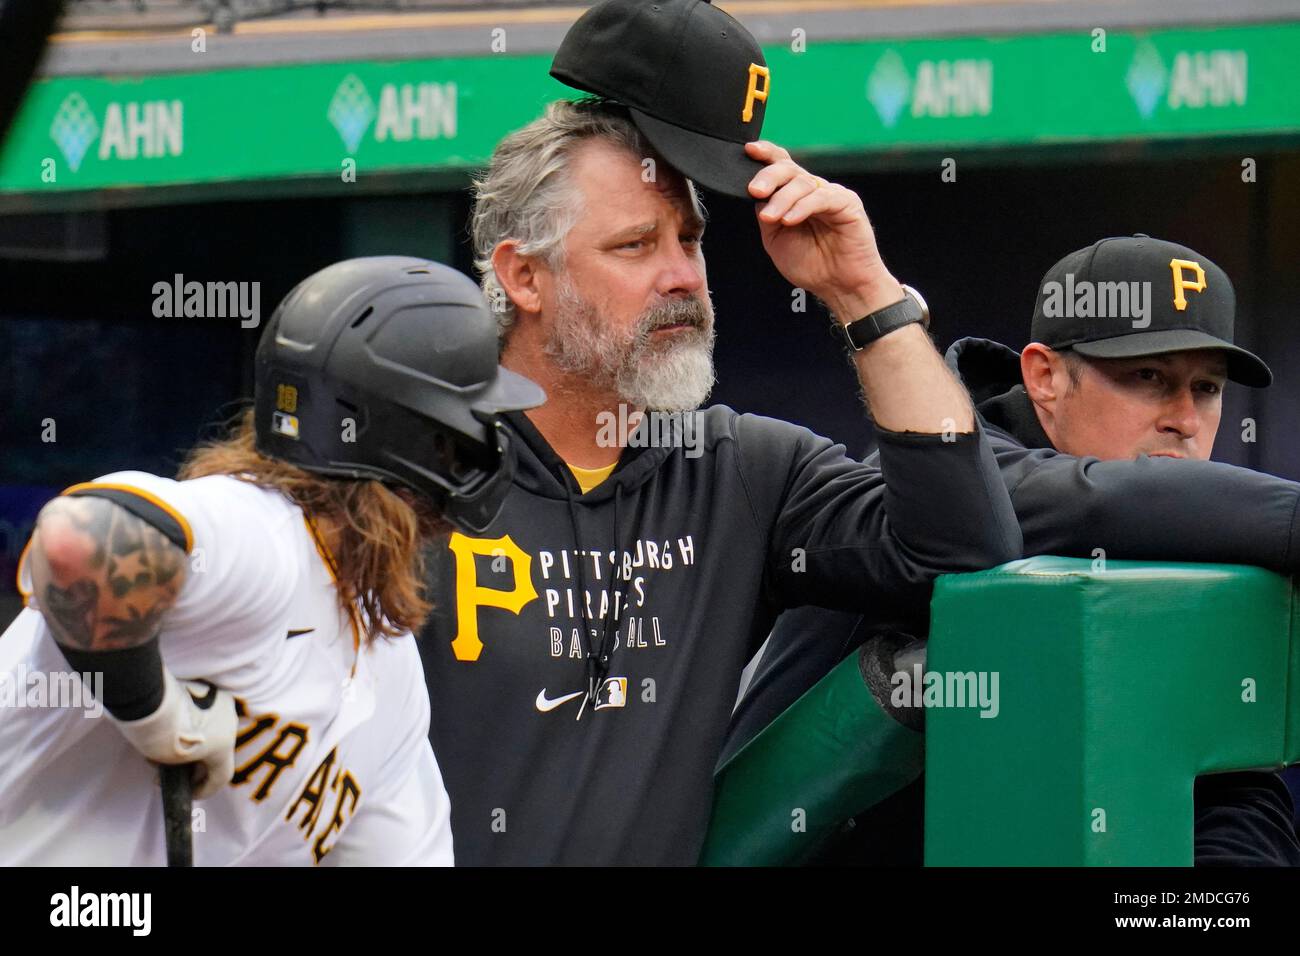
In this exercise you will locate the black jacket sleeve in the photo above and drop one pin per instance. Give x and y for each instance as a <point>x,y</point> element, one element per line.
<point>1151,509</point>
<point>843,531</point>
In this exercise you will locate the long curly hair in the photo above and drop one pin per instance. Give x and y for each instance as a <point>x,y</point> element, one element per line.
<point>379,533</point>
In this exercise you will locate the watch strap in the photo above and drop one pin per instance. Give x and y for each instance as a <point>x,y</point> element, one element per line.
<point>862,332</point>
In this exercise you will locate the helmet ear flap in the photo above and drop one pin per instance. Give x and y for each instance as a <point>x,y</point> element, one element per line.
<point>462,463</point>
<point>476,510</point>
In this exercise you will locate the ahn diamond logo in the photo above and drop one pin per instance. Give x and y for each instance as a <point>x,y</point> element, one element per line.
<point>1147,78</point>
<point>889,87</point>
<point>937,89</point>
<point>351,111</point>
<point>74,129</point>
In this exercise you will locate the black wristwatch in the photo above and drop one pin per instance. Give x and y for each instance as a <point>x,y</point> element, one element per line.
<point>911,308</point>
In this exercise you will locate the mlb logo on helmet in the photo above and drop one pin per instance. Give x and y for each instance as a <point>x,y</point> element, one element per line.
<point>283,422</point>
<point>694,80</point>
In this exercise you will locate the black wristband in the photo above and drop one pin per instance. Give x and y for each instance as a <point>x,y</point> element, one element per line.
<point>132,685</point>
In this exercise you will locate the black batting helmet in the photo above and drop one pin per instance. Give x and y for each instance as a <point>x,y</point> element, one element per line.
<point>386,368</point>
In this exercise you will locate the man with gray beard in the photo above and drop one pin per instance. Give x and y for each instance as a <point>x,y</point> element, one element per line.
<point>586,648</point>
<point>677,377</point>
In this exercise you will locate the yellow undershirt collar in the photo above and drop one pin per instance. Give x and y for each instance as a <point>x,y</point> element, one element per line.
<point>589,478</point>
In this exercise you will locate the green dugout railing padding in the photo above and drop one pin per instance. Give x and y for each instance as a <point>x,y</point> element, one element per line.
<point>1119,683</point>
<point>833,753</point>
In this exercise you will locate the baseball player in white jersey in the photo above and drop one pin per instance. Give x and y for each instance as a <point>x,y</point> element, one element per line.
<point>254,619</point>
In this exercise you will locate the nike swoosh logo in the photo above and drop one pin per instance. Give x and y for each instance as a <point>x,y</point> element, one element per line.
<point>298,633</point>
<point>544,705</point>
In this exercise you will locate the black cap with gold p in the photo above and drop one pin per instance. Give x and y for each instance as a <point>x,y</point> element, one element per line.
<point>694,80</point>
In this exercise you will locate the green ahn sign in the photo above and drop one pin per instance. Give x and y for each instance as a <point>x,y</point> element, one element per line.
<point>319,120</point>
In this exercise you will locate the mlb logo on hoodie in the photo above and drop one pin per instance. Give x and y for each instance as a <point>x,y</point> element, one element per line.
<point>612,693</point>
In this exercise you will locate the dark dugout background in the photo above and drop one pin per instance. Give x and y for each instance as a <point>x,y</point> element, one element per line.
<point>79,344</point>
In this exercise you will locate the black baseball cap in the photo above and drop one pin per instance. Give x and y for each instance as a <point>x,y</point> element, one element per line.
<point>693,79</point>
<point>1129,296</point>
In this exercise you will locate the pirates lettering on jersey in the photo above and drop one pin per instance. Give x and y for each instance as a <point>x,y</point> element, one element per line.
<point>312,799</point>
<point>313,795</point>
<point>331,758</point>
<point>279,753</point>
<point>617,584</point>
<point>346,790</point>
<point>283,745</point>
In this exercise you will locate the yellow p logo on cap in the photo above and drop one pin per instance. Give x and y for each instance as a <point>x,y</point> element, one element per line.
<point>1177,266</point>
<point>752,92</point>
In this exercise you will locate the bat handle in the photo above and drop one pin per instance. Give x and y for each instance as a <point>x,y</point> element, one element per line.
<point>176,782</point>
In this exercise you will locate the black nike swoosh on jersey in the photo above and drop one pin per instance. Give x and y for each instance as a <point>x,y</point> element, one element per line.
<point>298,633</point>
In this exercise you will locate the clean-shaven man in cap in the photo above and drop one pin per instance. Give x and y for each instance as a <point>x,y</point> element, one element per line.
<point>1102,426</point>
<point>587,648</point>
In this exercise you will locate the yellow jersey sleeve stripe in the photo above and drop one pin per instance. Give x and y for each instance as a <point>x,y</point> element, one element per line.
<point>144,505</point>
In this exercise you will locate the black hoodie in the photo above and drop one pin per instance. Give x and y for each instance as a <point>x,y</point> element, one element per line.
<point>1153,509</point>
<point>714,537</point>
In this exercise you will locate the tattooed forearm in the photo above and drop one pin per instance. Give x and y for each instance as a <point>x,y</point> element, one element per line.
<point>103,577</point>
<point>71,611</point>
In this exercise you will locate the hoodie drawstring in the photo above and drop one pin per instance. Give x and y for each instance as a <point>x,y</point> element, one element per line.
<point>597,659</point>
